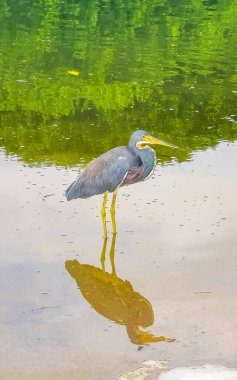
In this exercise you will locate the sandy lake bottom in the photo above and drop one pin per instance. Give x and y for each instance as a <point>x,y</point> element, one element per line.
<point>175,261</point>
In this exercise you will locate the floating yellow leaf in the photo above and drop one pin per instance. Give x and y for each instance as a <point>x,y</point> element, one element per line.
<point>73,72</point>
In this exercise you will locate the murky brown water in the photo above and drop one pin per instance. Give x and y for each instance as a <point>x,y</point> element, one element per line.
<point>175,261</point>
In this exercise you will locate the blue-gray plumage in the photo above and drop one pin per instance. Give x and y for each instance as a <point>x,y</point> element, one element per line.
<point>120,166</point>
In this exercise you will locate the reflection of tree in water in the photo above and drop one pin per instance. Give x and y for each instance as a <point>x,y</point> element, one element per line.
<point>115,298</point>
<point>170,65</point>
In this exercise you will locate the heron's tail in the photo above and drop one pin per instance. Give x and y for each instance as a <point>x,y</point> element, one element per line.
<point>77,189</point>
<point>70,194</point>
<point>82,188</point>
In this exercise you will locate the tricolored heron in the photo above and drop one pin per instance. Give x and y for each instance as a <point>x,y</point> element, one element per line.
<point>120,166</point>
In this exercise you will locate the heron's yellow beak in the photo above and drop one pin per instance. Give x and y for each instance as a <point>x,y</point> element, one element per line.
<point>153,140</point>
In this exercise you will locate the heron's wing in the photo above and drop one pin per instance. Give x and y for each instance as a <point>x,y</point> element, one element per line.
<point>105,173</point>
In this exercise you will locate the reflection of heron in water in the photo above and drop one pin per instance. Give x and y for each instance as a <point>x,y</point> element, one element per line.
<point>124,165</point>
<point>115,298</point>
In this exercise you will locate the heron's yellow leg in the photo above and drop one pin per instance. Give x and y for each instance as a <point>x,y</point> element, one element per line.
<point>112,211</point>
<point>102,257</point>
<point>103,214</point>
<point>111,254</point>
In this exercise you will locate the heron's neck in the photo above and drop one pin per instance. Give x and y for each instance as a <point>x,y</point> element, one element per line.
<point>148,158</point>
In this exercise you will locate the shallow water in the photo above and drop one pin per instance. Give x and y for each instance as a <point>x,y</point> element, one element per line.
<point>179,259</point>
<point>170,274</point>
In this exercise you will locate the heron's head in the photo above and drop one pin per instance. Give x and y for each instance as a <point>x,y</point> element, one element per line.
<point>142,139</point>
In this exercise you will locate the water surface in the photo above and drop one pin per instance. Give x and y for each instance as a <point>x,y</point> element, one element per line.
<point>169,69</point>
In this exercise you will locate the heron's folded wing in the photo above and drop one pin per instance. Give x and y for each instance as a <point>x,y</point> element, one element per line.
<point>105,173</point>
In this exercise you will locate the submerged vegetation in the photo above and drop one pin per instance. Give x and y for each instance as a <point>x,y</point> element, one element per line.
<point>166,67</point>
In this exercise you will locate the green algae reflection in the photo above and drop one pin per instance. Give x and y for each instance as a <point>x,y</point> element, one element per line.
<point>162,66</point>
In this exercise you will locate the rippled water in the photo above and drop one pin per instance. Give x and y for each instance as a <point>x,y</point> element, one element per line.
<point>76,79</point>
<point>160,66</point>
